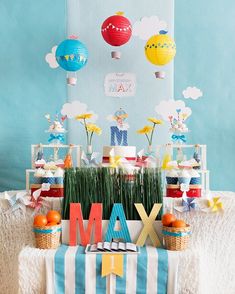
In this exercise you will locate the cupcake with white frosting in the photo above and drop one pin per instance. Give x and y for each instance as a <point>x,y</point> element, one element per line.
<point>172,177</point>
<point>195,177</point>
<point>59,176</point>
<point>48,177</point>
<point>40,163</point>
<point>39,173</point>
<point>184,177</point>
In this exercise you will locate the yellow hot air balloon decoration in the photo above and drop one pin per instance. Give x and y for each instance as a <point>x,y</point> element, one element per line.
<point>160,49</point>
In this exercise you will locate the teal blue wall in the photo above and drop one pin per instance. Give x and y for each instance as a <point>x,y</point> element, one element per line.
<point>85,20</point>
<point>204,34</point>
<point>28,87</point>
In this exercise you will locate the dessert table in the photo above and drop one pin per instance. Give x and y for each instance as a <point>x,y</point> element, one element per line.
<point>208,265</point>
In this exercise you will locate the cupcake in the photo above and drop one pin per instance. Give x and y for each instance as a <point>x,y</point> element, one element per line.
<point>48,177</point>
<point>39,173</point>
<point>59,163</point>
<point>184,177</point>
<point>59,176</point>
<point>195,177</point>
<point>172,177</point>
<point>40,163</point>
<point>50,165</point>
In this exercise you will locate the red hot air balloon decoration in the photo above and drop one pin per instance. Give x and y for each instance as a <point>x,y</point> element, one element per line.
<point>116,31</point>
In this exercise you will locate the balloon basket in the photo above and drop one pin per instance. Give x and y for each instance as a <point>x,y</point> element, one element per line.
<point>71,81</point>
<point>116,54</point>
<point>71,78</point>
<point>160,75</point>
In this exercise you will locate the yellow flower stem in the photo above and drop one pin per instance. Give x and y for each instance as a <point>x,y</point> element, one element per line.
<point>151,138</point>
<point>147,138</point>
<point>87,134</point>
<point>91,137</point>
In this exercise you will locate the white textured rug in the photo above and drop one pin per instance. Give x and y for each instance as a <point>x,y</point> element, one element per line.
<point>207,268</point>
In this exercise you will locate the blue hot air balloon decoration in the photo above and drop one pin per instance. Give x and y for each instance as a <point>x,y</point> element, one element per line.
<point>71,55</point>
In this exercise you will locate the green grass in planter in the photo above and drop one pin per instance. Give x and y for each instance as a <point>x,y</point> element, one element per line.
<point>108,186</point>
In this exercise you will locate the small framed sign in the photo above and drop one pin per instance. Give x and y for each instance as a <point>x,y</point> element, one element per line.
<point>120,84</point>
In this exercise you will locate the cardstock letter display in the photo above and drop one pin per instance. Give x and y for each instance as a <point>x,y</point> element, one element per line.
<point>148,229</point>
<point>95,217</point>
<point>117,213</point>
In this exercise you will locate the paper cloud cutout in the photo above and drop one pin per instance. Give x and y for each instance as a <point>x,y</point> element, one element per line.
<point>50,58</point>
<point>168,108</point>
<point>193,93</point>
<point>75,108</point>
<point>148,26</point>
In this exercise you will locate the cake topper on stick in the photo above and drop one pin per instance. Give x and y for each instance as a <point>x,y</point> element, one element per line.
<point>119,132</point>
<point>56,129</point>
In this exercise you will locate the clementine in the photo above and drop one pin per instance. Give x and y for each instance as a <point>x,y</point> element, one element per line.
<point>51,224</point>
<point>53,216</point>
<point>168,219</point>
<point>40,220</point>
<point>179,223</point>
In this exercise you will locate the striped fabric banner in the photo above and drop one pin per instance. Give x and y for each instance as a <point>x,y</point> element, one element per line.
<point>70,271</point>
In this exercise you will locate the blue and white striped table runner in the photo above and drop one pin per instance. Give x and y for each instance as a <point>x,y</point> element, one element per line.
<point>70,271</point>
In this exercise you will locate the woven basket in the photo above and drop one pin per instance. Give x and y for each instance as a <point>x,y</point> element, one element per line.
<point>47,237</point>
<point>176,238</point>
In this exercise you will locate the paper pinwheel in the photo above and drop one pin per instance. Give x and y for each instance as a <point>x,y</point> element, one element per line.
<point>215,204</point>
<point>18,201</point>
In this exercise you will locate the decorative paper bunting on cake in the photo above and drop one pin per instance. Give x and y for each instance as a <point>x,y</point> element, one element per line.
<point>112,264</point>
<point>18,201</point>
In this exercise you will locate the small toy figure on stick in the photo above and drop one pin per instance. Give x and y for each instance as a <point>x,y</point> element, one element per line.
<point>56,129</point>
<point>178,127</point>
<point>119,132</point>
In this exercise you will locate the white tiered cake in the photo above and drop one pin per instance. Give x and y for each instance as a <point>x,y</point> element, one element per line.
<point>127,152</point>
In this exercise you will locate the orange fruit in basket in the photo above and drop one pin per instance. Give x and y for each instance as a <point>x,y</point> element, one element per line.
<point>40,220</point>
<point>53,216</point>
<point>51,224</point>
<point>179,223</point>
<point>168,219</point>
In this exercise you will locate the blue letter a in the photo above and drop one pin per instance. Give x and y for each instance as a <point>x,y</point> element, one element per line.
<point>117,213</point>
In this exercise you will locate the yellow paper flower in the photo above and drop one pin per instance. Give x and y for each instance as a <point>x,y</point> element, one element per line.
<point>155,121</point>
<point>145,130</point>
<point>84,116</point>
<point>92,128</point>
